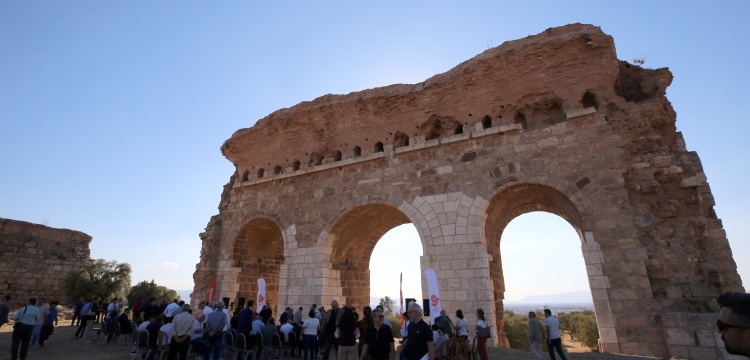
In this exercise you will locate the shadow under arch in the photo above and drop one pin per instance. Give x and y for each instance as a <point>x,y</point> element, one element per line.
<point>258,252</point>
<point>349,245</point>
<point>506,205</point>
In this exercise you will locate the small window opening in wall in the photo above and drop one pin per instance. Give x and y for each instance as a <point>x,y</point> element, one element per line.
<point>317,160</point>
<point>357,151</point>
<point>486,122</point>
<point>459,130</point>
<point>520,119</point>
<point>378,147</point>
<point>589,100</point>
<point>337,156</point>
<point>400,140</point>
<point>295,165</point>
<point>245,175</point>
<point>277,170</point>
<point>261,172</point>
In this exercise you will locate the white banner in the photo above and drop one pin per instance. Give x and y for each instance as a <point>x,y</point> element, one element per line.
<point>434,294</point>
<point>261,294</point>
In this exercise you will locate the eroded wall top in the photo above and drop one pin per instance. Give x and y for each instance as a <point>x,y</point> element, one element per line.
<point>541,74</point>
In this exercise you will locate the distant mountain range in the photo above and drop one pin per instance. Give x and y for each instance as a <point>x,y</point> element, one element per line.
<point>575,297</point>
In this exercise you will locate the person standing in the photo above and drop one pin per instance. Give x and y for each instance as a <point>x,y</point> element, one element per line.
<point>378,340</point>
<point>419,340</point>
<point>734,323</point>
<point>329,328</point>
<point>536,335</point>
<point>215,323</point>
<point>49,326</point>
<point>297,319</point>
<point>25,318</point>
<point>554,340</point>
<point>482,340</point>
<point>461,326</point>
<point>44,310</point>
<point>77,312</point>
<point>182,327</point>
<point>87,313</point>
<point>4,310</point>
<point>347,333</point>
<point>310,329</point>
<point>364,324</point>
<point>444,322</point>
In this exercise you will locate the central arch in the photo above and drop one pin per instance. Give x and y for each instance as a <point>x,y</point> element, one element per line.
<point>349,245</point>
<point>506,205</point>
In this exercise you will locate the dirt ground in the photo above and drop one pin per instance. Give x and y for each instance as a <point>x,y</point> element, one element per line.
<point>63,346</point>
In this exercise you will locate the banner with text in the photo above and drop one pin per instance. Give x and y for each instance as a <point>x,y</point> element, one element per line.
<point>212,289</point>
<point>434,294</point>
<point>261,294</point>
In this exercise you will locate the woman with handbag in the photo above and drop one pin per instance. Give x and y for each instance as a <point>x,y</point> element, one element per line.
<point>483,333</point>
<point>347,333</point>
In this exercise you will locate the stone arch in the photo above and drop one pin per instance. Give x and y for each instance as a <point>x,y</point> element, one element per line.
<point>556,197</point>
<point>257,251</point>
<point>349,243</point>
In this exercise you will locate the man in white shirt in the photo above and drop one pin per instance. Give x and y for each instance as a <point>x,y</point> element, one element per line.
<point>207,311</point>
<point>287,328</point>
<point>169,311</point>
<point>553,335</point>
<point>182,328</point>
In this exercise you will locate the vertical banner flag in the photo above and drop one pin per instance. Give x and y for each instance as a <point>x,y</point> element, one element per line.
<point>211,289</point>
<point>261,294</point>
<point>401,295</point>
<point>432,289</point>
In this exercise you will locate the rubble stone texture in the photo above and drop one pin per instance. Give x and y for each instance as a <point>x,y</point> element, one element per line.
<point>35,258</point>
<point>552,122</point>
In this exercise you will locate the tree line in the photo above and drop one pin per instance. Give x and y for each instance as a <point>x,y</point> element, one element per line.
<point>108,280</point>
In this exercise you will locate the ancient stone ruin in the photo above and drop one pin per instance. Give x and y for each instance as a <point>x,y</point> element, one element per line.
<point>35,259</point>
<point>552,122</point>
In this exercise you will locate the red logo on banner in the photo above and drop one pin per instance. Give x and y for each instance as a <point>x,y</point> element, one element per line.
<point>434,299</point>
<point>261,298</point>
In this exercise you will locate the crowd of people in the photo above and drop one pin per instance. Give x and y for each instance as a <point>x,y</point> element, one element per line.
<point>369,337</point>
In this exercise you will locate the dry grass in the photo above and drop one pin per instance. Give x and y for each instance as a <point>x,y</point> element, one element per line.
<point>63,346</point>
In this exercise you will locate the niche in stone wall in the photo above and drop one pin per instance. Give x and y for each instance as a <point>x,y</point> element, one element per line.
<point>400,140</point>
<point>437,126</point>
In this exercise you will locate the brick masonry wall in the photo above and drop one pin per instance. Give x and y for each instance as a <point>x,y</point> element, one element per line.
<point>35,259</point>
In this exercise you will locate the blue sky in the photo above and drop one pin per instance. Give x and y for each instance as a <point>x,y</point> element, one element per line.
<point>112,112</point>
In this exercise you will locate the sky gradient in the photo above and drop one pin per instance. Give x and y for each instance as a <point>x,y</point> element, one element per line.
<point>112,113</point>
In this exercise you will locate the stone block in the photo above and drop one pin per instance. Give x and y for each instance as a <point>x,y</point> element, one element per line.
<point>680,337</point>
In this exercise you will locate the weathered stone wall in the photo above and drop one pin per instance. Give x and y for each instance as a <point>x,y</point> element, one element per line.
<point>35,259</point>
<point>552,122</point>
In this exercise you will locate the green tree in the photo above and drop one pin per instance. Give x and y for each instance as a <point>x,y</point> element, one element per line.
<point>145,289</point>
<point>582,326</point>
<point>106,279</point>
<point>388,305</point>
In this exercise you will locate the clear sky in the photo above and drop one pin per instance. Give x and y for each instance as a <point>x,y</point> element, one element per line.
<point>112,113</point>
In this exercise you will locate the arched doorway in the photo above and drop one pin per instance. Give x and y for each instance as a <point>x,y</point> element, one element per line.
<point>349,246</point>
<point>508,204</point>
<point>397,253</point>
<point>258,252</point>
